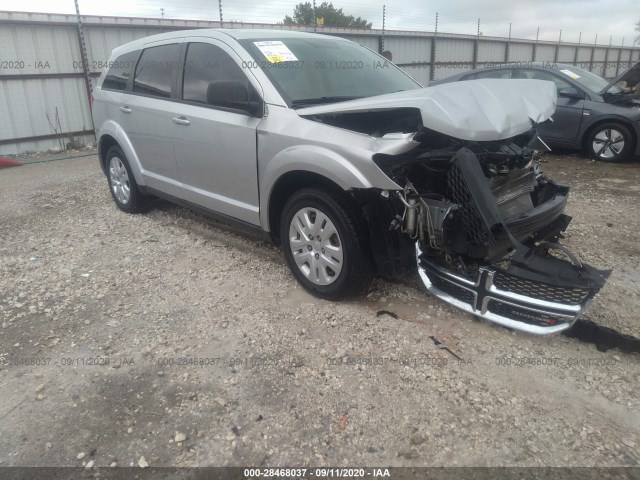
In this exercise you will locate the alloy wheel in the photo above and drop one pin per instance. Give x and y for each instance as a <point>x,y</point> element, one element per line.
<point>316,246</point>
<point>119,180</point>
<point>608,143</point>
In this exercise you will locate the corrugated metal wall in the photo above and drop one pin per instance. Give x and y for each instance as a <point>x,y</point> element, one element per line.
<point>41,71</point>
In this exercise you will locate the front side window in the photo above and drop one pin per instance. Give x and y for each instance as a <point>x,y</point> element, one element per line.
<point>544,75</point>
<point>208,65</point>
<point>120,71</point>
<point>156,70</point>
<point>586,79</point>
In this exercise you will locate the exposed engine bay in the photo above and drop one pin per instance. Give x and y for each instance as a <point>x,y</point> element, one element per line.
<point>486,224</point>
<point>474,210</point>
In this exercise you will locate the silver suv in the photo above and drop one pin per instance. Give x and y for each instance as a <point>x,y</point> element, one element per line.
<point>336,154</point>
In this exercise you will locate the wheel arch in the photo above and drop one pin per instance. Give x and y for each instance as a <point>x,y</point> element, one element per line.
<point>311,165</point>
<point>285,186</point>
<point>111,134</point>
<point>104,144</point>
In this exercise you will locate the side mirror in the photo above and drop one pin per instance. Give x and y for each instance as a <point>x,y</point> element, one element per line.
<point>234,94</point>
<point>570,92</point>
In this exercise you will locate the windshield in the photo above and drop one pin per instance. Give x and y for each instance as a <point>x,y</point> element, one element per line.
<point>588,80</point>
<point>308,71</point>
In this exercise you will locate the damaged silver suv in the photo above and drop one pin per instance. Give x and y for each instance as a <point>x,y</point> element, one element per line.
<point>336,154</point>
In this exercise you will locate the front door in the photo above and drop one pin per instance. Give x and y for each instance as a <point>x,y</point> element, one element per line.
<point>568,115</point>
<point>215,146</point>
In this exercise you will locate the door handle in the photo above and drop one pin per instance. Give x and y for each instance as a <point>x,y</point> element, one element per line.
<point>125,109</point>
<point>181,121</point>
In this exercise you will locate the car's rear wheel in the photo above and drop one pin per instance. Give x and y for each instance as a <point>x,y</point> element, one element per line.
<point>325,243</point>
<point>610,142</point>
<point>122,183</point>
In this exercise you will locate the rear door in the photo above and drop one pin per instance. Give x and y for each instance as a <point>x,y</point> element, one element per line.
<point>115,90</point>
<point>568,115</point>
<point>148,111</point>
<point>215,146</point>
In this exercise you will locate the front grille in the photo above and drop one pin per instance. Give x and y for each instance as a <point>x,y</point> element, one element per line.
<point>504,299</point>
<point>452,290</point>
<point>542,291</point>
<point>468,273</point>
<point>475,229</point>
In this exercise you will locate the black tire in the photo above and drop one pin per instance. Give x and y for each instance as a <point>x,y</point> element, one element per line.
<point>604,143</point>
<point>136,201</point>
<point>356,263</point>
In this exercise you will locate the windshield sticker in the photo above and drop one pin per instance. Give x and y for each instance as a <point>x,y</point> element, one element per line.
<point>276,51</point>
<point>569,73</point>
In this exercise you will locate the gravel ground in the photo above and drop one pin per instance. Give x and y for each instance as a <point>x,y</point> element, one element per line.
<point>165,339</point>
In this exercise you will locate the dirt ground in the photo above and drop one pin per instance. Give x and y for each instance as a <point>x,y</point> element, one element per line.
<point>169,340</point>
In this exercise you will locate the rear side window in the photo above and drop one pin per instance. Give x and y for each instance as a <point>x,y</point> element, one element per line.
<point>156,70</point>
<point>121,71</point>
<point>206,64</point>
<point>493,73</point>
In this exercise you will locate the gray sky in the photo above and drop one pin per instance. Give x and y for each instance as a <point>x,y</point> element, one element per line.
<point>591,17</point>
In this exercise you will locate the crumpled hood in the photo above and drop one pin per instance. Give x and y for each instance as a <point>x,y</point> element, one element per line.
<point>481,110</point>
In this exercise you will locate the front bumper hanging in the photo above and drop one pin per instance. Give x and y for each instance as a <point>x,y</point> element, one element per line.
<point>514,301</point>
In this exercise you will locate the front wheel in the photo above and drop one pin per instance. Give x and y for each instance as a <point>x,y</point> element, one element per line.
<point>325,243</point>
<point>610,142</point>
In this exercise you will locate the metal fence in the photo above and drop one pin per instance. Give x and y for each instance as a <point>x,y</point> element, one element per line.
<point>48,63</point>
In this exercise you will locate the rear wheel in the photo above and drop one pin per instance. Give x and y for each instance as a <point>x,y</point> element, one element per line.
<point>325,243</point>
<point>122,183</point>
<point>610,142</point>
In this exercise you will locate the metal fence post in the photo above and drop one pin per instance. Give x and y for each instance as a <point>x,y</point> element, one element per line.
<point>606,59</point>
<point>535,46</point>
<point>619,57</point>
<point>475,47</point>
<point>432,72</point>
<point>220,10</point>
<point>315,18</point>
<point>555,57</point>
<point>85,61</point>
<point>384,15</point>
<point>593,51</point>
<point>575,57</point>
<point>508,49</point>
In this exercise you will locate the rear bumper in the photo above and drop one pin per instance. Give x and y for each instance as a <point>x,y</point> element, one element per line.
<point>505,299</point>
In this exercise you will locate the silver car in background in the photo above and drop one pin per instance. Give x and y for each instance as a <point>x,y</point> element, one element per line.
<point>329,150</point>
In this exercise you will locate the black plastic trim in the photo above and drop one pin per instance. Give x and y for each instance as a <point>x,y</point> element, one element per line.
<point>248,228</point>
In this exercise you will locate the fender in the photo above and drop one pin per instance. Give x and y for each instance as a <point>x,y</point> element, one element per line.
<point>585,126</point>
<point>322,161</point>
<point>109,127</point>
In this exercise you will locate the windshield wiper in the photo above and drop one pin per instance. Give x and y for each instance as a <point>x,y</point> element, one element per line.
<point>306,102</point>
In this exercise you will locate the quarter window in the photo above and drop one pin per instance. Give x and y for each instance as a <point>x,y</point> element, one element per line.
<point>156,70</point>
<point>121,70</point>
<point>206,64</point>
